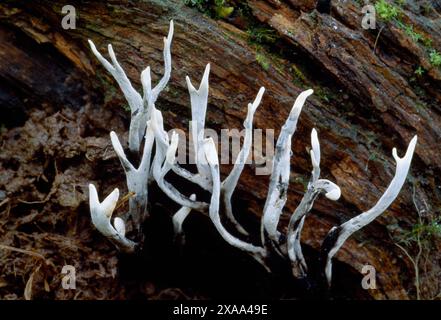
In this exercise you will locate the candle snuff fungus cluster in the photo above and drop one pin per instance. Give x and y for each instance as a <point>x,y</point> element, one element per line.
<point>158,157</point>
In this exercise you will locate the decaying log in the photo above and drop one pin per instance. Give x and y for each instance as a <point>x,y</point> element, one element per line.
<point>365,100</point>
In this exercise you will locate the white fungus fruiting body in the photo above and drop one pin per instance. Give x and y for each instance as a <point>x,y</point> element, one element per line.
<point>147,128</point>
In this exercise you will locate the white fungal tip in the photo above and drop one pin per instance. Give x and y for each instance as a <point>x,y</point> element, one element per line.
<point>116,144</point>
<point>308,92</point>
<point>109,204</point>
<point>334,194</point>
<point>120,227</point>
<point>253,106</point>
<point>171,29</point>
<point>315,147</point>
<point>409,152</point>
<point>204,82</point>
<point>190,86</point>
<point>93,196</point>
<point>411,147</point>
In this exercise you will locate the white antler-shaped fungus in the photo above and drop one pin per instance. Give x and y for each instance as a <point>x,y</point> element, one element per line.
<point>338,235</point>
<point>147,122</point>
<point>101,213</point>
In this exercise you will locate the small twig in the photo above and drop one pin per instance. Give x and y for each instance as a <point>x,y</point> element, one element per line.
<point>124,199</point>
<point>415,261</point>
<point>33,202</point>
<point>420,248</point>
<point>24,251</point>
<point>4,201</point>
<point>376,40</point>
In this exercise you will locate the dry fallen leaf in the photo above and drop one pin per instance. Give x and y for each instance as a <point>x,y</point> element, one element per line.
<point>28,287</point>
<point>46,286</point>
